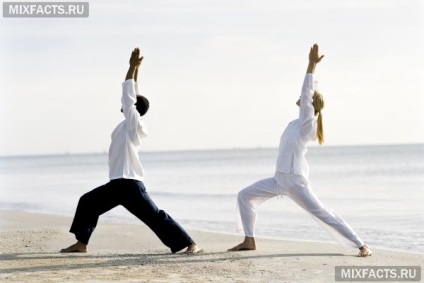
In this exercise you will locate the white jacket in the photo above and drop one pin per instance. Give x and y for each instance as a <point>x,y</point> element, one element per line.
<point>126,138</point>
<point>293,141</point>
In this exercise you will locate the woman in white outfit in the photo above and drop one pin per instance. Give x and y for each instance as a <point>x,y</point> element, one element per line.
<point>291,177</point>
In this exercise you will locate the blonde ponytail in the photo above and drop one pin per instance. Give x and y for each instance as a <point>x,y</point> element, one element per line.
<point>318,103</point>
<point>320,129</point>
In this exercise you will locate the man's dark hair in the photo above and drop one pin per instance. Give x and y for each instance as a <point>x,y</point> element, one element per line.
<point>142,105</point>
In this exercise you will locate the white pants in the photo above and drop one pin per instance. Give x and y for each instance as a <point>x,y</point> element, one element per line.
<point>298,189</point>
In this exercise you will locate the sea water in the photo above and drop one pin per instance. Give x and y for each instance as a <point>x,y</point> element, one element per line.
<point>378,190</point>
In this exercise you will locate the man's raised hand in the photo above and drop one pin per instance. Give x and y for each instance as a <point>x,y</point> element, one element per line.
<point>135,59</point>
<point>135,62</point>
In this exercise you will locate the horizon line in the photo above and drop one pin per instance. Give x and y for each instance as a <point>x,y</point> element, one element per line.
<point>105,152</point>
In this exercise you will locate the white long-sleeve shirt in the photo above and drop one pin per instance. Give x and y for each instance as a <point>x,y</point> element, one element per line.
<point>293,141</point>
<point>126,138</point>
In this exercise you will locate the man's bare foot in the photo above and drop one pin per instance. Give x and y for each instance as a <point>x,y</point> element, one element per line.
<point>75,248</point>
<point>247,245</point>
<point>364,251</point>
<point>193,249</point>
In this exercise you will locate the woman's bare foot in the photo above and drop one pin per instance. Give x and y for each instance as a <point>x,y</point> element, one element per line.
<point>364,251</point>
<point>247,245</point>
<point>193,249</point>
<point>75,248</point>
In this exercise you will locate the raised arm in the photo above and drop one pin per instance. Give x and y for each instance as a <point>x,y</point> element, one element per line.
<point>132,116</point>
<point>314,59</point>
<point>137,91</point>
<point>135,62</point>
<point>306,112</point>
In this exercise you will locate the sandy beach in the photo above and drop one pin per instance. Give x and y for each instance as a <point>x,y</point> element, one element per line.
<point>131,253</point>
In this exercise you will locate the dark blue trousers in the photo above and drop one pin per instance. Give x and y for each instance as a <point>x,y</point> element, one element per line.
<point>133,196</point>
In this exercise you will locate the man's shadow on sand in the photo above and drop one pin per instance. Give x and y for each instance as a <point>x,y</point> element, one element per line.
<point>137,259</point>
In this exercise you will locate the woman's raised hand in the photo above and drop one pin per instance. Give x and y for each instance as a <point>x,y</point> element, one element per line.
<point>314,55</point>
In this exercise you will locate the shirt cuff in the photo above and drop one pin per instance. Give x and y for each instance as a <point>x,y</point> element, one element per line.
<point>309,76</point>
<point>128,82</point>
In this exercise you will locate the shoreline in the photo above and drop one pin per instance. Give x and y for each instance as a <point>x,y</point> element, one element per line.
<point>126,252</point>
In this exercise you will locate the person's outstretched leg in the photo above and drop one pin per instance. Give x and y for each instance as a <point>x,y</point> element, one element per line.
<point>247,200</point>
<point>90,206</point>
<point>139,203</point>
<point>299,191</point>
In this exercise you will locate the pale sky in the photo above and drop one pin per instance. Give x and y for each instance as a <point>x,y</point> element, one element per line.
<point>218,74</point>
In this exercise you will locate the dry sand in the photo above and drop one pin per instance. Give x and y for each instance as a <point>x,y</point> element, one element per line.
<point>29,245</point>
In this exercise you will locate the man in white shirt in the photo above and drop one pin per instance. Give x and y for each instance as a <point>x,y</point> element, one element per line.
<point>126,176</point>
